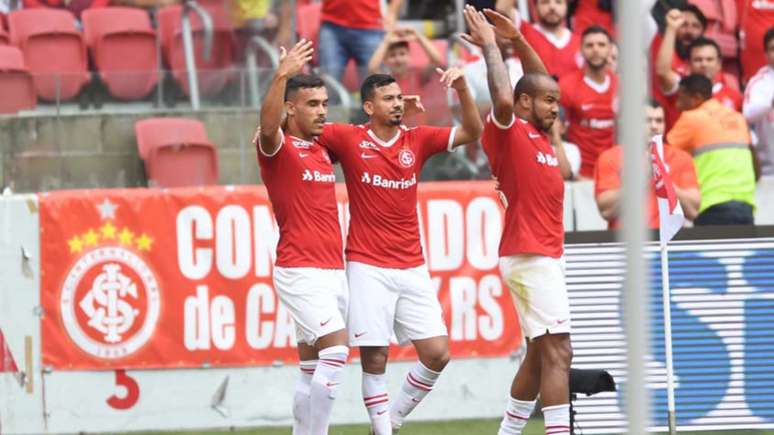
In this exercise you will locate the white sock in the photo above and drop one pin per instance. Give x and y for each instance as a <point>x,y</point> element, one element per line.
<point>557,419</point>
<point>516,416</point>
<point>325,382</point>
<point>418,383</point>
<point>301,404</point>
<point>377,401</point>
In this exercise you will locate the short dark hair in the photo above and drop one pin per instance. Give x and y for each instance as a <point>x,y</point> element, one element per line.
<point>530,84</point>
<point>697,84</point>
<point>372,82</point>
<point>768,37</point>
<point>596,29</point>
<point>398,44</point>
<point>302,81</point>
<point>692,8</point>
<point>702,41</point>
<point>652,103</point>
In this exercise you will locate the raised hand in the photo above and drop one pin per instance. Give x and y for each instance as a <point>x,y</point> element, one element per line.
<point>293,61</point>
<point>412,105</point>
<point>674,19</point>
<point>480,32</point>
<point>503,26</point>
<point>452,78</point>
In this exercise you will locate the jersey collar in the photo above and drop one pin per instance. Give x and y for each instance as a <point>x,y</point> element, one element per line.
<point>387,144</point>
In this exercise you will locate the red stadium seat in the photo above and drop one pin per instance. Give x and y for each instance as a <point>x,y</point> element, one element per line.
<point>214,74</point>
<point>176,152</point>
<point>419,58</point>
<point>54,51</point>
<point>123,47</point>
<point>308,18</point>
<point>16,86</point>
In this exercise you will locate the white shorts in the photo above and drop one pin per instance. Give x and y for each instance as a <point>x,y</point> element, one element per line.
<point>316,299</point>
<point>539,293</point>
<point>385,300</point>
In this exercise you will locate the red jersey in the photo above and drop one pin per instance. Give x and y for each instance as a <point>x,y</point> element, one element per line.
<point>356,14</point>
<point>301,184</point>
<point>756,17</point>
<point>560,56</point>
<point>382,187</point>
<point>678,65</point>
<point>527,170</point>
<point>590,109</point>
<point>588,14</point>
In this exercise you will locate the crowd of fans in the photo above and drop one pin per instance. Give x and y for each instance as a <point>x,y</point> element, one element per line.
<point>711,65</point>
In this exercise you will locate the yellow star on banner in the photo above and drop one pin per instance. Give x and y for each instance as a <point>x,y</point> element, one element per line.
<point>76,244</point>
<point>126,237</point>
<point>144,242</point>
<point>108,231</point>
<point>91,238</point>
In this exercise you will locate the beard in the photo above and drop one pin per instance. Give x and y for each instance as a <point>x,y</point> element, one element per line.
<point>681,48</point>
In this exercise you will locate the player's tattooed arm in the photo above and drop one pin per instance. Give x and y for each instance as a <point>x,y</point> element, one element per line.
<point>505,28</point>
<point>482,34</point>
<point>471,128</point>
<point>272,109</point>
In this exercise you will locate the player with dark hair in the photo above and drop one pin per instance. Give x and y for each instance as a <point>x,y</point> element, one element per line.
<point>589,97</point>
<point>532,243</point>
<point>309,273</point>
<point>390,285</point>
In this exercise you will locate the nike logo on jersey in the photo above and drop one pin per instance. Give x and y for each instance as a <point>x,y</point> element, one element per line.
<point>381,412</point>
<point>317,176</point>
<point>360,334</point>
<point>368,145</point>
<point>585,107</point>
<point>560,322</point>
<point>534,135</point>
<point>302,155</point>
<point>325,322</point>
<point>368,156</point>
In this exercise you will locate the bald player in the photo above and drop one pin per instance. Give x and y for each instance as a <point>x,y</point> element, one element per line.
<point>517,143</point>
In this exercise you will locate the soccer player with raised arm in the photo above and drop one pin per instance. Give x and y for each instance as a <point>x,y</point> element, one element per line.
<point>517,143</point>
<point>390,285</point>
<point>309,272</point>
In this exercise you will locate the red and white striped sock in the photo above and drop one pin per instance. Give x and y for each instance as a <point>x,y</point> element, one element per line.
<point>516,416</point>
<point>418,383</point>
<point>325,382</point>
<point>377,402</point>
<point>557,419</point>
<point>301,403</point>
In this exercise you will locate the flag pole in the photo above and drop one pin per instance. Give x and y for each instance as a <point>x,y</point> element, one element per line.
<point>666,299</point>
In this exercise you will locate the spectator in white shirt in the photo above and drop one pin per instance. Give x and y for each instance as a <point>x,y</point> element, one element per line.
<point>759,107</point>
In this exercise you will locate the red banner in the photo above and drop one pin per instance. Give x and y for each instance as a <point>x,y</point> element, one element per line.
<point>146,278</point>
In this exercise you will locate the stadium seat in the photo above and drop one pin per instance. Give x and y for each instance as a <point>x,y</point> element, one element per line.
<point>308,18</point>
<point>176,152</point>
<point>213,74</point>
<point>722,22</point>
<point>16,86</point>
<point>54,51</point>
<point>123,47</point>
<point>419,59</point>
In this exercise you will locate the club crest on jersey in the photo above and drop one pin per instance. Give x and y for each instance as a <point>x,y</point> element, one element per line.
<point>406,158</point>
<point>368,145</point>
<point>110,300</point>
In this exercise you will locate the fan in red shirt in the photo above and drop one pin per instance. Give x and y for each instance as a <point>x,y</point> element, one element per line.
<point>391,290</point>
<point>308,272</point>
<point>551,39</point>
<point>703,58</point>
<point>531,247</point>
<point>590,100</point>
<point>756,16</point>
<point>692,27</point>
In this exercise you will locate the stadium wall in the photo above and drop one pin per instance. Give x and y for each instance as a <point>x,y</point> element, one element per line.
<point>723,306</point>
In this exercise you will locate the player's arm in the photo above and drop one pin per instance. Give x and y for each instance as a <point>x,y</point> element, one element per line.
<point>482,34</point>
<point>556,140</point>
<point>272,109</point>
<point>666,76</point>
<point>471,127</point>
<point>505,27</point>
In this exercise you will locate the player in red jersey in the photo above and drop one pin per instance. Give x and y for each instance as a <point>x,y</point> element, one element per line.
<point>590,99</point>
<point>531,247</point>
<point>390,286</point>
<point>551,38</point>
<point>309,270</point>
<point>703,58</point>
